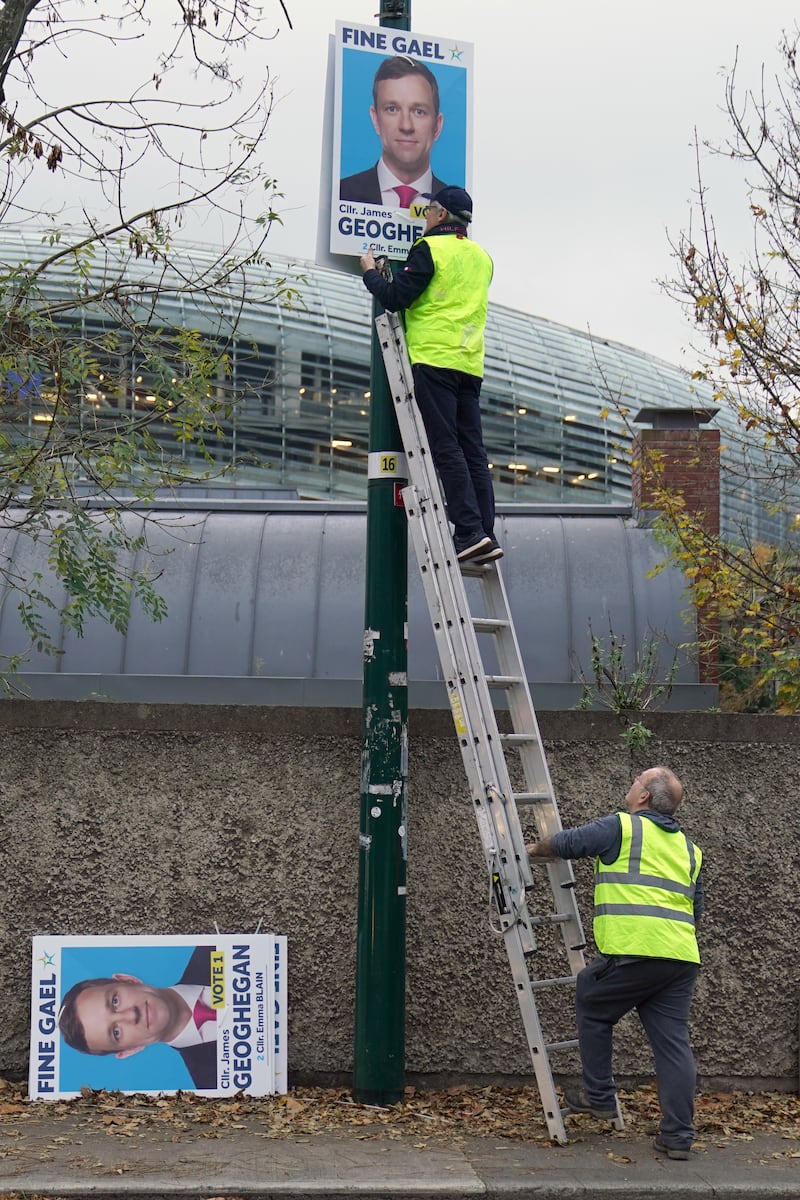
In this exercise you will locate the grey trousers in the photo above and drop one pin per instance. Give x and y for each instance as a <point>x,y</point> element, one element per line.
<point>660,989</point>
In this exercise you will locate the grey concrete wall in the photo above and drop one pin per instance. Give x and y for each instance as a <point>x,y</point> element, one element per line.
<point>137,819</point>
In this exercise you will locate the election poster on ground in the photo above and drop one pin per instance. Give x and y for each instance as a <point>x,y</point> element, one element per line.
<point>402,128</point>
<point>158,1014</point>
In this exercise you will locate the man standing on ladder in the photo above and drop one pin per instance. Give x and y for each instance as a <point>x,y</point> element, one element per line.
<point>444,290</point>
<point>647,902</point>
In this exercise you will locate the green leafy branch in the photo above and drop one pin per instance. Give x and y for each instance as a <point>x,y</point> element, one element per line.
<point>624,686</point>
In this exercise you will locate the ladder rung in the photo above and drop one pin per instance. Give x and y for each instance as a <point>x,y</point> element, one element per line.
<point>502,681</point>
<point>532,797</point>
<point>570,1045</point>
<point>559,981</point>
<point>517,738</point>
<point>552,919</point>
<point>489,624</point>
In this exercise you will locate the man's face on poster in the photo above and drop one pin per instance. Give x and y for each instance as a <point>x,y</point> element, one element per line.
<point>407,123</point>
<point>125,1015</point>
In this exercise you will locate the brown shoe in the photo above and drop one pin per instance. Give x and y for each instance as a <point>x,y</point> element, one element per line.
<point>577,1102</point>
<point>674,1152</point>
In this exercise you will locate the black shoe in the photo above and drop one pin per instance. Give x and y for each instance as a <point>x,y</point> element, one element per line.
<point>494,551</point>
<point>472,546</point>
<point>577,1103</point>
<point>674,1152</point>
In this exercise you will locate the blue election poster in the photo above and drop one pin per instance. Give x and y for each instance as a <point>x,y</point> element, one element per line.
<point>402,130</point>
<point>157,1014</point>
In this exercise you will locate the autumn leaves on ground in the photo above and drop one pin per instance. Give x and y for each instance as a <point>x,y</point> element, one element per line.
<point>428,1117</point>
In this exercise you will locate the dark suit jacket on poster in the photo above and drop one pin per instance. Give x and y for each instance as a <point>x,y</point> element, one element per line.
<point>364,188</point>
<point>201,1063</point>
<point>201,1060</point>
<point>198,968</point>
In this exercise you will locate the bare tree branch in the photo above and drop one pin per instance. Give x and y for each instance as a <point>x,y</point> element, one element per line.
<point>90,302</point>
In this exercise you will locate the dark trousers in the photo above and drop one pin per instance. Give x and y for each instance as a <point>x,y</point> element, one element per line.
<point>449,403</point>
<point>660,989</point>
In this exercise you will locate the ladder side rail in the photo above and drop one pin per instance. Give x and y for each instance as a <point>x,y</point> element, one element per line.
<point>509,657</point>
<point>470,725</point>
<point>434,551</point>
<point>537,1045</point>
<point>458,650</point>
<point>521,711</point>
<point>560,875</point>
<point>473,689</point>
<point>517,948</point>
<point>445,594</point>
<point>474,692</point>
<point>537,774</point>
<point>508,883</point>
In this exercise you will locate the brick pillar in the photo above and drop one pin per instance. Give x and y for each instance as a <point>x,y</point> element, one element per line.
<point>676,453</point>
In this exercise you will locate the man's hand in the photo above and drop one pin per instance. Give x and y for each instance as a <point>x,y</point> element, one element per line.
<point>367,262</point>
<point>542,849</point>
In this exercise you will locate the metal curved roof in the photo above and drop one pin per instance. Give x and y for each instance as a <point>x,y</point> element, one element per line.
<point>299,375</point>
<point>265,605</point>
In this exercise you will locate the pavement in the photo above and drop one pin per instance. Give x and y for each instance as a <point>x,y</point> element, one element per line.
<point>50,1159</point>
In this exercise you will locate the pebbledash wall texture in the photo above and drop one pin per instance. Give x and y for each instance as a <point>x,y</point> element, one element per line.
<point>139,819</point>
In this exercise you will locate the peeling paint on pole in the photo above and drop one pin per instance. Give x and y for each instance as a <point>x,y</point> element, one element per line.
<point>371,636</point>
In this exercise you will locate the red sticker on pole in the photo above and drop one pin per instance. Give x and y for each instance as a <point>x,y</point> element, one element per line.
<point>398,494</point>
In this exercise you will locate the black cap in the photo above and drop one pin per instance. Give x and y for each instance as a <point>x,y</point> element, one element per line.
<point>455,200</point>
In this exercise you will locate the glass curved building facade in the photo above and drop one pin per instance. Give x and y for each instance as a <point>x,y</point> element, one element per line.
<point>298,379</point>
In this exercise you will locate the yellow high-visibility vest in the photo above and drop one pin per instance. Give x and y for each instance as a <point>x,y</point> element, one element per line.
<point>444,326</point>
<point>644,900</point>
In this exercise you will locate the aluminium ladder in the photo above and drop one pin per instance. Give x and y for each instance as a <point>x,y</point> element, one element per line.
<point>469,690</point>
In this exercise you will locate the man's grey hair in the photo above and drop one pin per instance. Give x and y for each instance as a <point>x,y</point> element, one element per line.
<point>665,791</point>
<point>458,218</point>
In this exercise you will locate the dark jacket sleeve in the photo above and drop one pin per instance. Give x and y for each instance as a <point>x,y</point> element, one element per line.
<point>198,968</point>
<point>699,896</point>
<point>407,284</point>
<point>599,839</point>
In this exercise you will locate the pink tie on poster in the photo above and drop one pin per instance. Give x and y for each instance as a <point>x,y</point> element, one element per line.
<point>405,193</point>
<point>203,1013</point>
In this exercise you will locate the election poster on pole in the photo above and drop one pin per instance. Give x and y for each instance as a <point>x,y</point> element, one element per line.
<point>402,128</point>
<point>158,1014</point>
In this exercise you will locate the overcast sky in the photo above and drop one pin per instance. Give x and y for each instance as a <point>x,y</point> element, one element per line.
<point>584,156</point>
